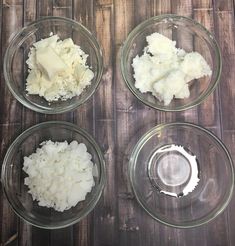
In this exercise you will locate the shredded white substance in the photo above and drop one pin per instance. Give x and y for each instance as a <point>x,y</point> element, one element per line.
<point>165,70</point>
<point>57,69</point>
<point>59,174</point>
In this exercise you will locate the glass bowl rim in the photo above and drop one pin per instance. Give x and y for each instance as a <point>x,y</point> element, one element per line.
<point>156,19</point>
<point>100,186</point>
<point>100,62</point>
<point>132,162</point>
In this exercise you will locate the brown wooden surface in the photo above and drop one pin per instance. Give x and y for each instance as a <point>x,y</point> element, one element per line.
<point>115,118</point>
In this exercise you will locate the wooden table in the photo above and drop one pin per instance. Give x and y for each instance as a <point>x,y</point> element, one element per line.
<point>114,116</point>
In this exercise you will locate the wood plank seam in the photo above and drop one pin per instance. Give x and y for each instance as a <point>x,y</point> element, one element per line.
<point>220,108</point>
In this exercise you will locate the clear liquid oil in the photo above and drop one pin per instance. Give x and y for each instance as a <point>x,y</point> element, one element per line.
<point>173,170</point>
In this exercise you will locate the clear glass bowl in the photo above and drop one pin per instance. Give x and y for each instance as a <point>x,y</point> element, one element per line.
<point>16,69</point>
<point>189,35</point>
<point>158,171</point>
<point>12,176</point>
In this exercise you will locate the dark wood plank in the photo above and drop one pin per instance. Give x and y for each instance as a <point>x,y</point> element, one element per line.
<point>44,8</point>
<point>208,114</point>
<point>62,237</point>
<point>24,233</point>
<point>126,116</point>
<point>8,219</point>
<point>229,141</point>
<point>29,11</point>
<point>11,19</point>
<point>83,12</point>
<point>160,7</point>
<point>62,8</point>
<point>105,223</point>
<point>40,237</point>
<point>225,36</point>
<point>1,81</point>
<point>202,5</point>
<point>224,19</point>
<point>223,5</point>
<point>12,10</point>
<point>83,231</point>
<point>182,8</point>
<point>28,118</point>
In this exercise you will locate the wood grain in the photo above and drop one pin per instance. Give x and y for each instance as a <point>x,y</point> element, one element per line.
<point>83,11</point>
<point>224,19</point>
<point>10,121</point>
<point>105,225</point>
<point>117,119</point>
<point>126,112</point>
<point>208,115</point>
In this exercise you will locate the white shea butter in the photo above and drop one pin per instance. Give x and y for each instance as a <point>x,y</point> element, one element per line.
<point>49,68</point>
<point>57,69</point>
<point>59,174</point>
<point>165,70</point>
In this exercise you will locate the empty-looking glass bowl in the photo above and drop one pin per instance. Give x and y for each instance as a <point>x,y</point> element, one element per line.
<point>181,174</point>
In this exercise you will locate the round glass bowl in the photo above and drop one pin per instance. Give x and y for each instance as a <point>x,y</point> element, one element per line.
<point>12,176</point>
<point>181,174</point>
<point>190,36</point>
<point>16,69</point>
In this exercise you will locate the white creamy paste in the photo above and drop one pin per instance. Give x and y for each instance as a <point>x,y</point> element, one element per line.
<point>57,69</point>
<point>59,174</point>
<point>165,70</point>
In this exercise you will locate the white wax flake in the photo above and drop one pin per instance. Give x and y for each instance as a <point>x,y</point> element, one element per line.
<point>59,174</point>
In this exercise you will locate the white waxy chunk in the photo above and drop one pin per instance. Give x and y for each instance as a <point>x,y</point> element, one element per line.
<point>183,93</point>
<point>170,85</point>
<point>50,62</point>
<point>195,66</point>
<point>51,41</point>
<point>82,74</point>
<point>165,70</point>
<point>147,71</point>
<point>158,44</point>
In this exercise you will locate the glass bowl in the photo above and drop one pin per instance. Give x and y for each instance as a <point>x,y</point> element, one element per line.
<point>181,174</point>
<point>16,69</point>
<point>12,176</point>
<point>190,36</point>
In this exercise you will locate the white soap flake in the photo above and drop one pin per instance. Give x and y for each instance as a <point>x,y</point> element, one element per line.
<point>59,174</point>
